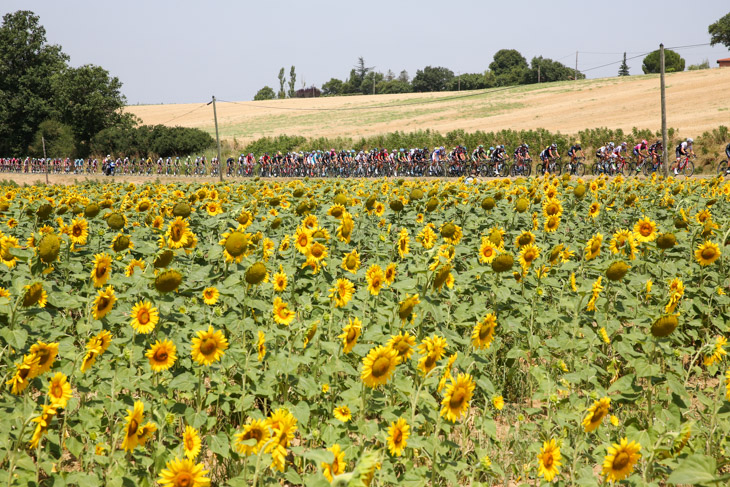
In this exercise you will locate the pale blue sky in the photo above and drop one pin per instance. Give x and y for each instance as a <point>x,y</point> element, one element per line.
<point>184,51</point>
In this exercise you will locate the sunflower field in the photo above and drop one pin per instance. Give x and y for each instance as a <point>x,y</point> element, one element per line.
<point>351,332</point>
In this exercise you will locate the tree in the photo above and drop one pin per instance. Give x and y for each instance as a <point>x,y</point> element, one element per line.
<point>333,87</point>
<point>720,31</point>
<point>696,67</point>
<point>265,93</point>
<point>27,67</point>
<point>371,80</point>
<point>58,138</point>
<point>389,76</point>
<point>282,81</point>
<point>88,100</point>
<point>623,70</point>
<point>509,67</point>
<point>292,80</point>
<point>393,86</point>
<point>309,92</point>
<point>432,79</point>
<point>472,81</point>
<point>672,62</point>
<point>360,70</point>
<point>548,70</point>
<point>403,76</point>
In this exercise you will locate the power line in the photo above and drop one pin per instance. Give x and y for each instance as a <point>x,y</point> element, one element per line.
<point>184,114</point>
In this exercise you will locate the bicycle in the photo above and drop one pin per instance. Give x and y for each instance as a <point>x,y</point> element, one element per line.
<point>521,168</point>
<point>553,166</point>
<point>685,166</point>
<point>722,168</point>
<point>576,168</point>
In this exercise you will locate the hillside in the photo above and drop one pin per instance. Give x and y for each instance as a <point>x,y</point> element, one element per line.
<point>695,103</point>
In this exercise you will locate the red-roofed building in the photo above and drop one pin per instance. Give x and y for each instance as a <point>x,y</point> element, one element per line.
<point>724,63</point>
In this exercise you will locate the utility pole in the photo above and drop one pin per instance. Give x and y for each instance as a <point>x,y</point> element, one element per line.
<point>45,159</point>
<point>576,66</point>
<point>217,138</point>
<point>459,82</point>
<point>538,74</point>
<point>664,110</point>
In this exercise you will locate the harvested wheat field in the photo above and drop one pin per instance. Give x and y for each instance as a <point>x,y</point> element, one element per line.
<point>695,103</point>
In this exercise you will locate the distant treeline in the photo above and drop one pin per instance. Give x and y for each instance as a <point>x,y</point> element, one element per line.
<point>146,140</point>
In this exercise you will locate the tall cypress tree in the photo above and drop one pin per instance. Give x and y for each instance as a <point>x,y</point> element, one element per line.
<point>623,70</point>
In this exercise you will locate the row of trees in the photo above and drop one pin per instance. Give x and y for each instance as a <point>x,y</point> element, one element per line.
<point>508,67</point>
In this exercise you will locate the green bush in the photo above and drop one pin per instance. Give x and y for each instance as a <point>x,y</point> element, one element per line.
<point>146,140</point>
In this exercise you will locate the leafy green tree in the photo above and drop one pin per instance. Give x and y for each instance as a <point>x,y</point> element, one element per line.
<point>393,86</point>
<point>623,70</point>
<point>432,79</point>
<point>88,100</point>
<point>58,139</point>
<point>549,70</point>
<point>265,93</point>
<point>27,67</point>
<point>472,81</point>
<point>282,82</point>
<point>672,62</point>
<point>696,67</point>
<point>403,76</point>
<point>292,80</point>
<point>333,87</point>
<point>361,70</point>
<point>371,80</point>
<point>509,67</point>
<point>720,31</point>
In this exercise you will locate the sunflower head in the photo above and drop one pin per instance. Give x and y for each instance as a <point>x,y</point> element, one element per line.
<point>617,270</point>
<point>432,204</point>
<point>522,204</point>
<point>116,221</point>
<point>49,247</point>
<point>120,243</point>
<point>181,209</point>
<point>503,262</point>
<point>396,205</point>
<point>448,230</point>
<point>666,241</point>
<point>579,191</point>
<point>256,273</point>
<point>168,281</point>
<point>488,203</point>
<point>664,326</point>
<point>91,210</point>
<point>34,294</point>
<point>44,211</point>
<point>416,194</point>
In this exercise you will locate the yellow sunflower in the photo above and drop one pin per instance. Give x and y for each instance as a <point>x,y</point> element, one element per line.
<point>432,350</point>
<point>134,264</point>
<point>302,240</point>
<point>78,231</point>
<point>8,242</point>
<point>330,470</point>
<point>398,433</point>
<point>524,239</point>
<point>645,230</point>
<point>161,355</point>
<point>350,334</point>
<point>103,303</point>
<point>594,210</point>
<point>342,413</point>
<point>280,281</point>
<point>596,412</point>
<point>34,294</point>
<point>261,345</point>
<point>390,274</point>
<point>351,261</point>
<point>144,317</point>
<point>42,421</point>
<point>483,333</point>
<point>403,344</point>
<point>620,460</point>
<point>528,255</point>
<point>456,399</point>
<point>593,247</point>
<point>282,314</point>
<point>208,346</point>
<point>375,278</point>
<point>552,223</point>
<point>549,460</point>
<point>102,269</point>
<point>254,429</point>
<point>191,442</point>
<point>378,366</point>
<point>342,292</point>
<point>24,372</point>
<point>210,295</point>
<point>406,307</point>
<point>403,243</point>
<point>59,390</point>
<point>183,473</point>
<point>134,433</point>
<point>707,253</point>
<point>46,353</point>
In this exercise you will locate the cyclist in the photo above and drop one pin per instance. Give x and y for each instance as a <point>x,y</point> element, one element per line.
<point>640,151</point>
<point>683,149</point>
<point>498,153</point>
<point>574,150</point>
